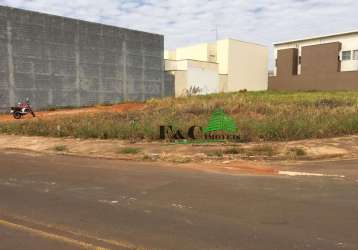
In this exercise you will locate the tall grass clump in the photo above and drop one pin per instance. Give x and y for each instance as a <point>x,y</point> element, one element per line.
<point>269,116</point>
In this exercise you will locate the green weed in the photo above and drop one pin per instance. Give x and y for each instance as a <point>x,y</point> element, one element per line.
<point>61,148</point>
<point>296,152</point>
<point>129,150</point>
<point>215,153</point>
<point>233,151</point>
<point>261,150</point>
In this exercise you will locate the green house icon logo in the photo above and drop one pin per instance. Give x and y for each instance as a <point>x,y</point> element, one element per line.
<point>220,121</point>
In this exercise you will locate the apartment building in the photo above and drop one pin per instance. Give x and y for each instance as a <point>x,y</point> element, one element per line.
<point>317,63</point>
<point>223,66</point>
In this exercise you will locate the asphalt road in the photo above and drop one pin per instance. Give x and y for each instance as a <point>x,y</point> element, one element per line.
<point>57,202</point>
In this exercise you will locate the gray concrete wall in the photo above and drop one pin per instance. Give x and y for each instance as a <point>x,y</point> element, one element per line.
<point>57,61</point>
<point>169,83</point>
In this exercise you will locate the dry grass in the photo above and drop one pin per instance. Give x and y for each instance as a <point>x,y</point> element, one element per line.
<point>215,153</point>
<point>296,152</point>
<point>261,150</point>
<point>129,150</point>
<point>233,151</point>
<point>268,116</point>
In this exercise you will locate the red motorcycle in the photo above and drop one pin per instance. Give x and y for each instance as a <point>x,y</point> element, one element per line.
<point>23,108</point>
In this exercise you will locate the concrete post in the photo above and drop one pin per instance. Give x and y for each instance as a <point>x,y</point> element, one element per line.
<point>78,66</point>
<point>124,81</point>
<point>12,96</point>
<point>100,75</point>
<point>143,72</point>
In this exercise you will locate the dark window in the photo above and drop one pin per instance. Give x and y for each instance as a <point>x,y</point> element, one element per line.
<point>355,54</point>
<point>346,55</point>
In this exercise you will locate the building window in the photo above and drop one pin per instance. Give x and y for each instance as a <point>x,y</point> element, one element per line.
<point>355,55</point>
<point>346,55</point>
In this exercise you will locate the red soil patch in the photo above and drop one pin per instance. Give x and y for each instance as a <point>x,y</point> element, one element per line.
<point>115,108</point>
<point>252,168</point>
<point>236,167</point>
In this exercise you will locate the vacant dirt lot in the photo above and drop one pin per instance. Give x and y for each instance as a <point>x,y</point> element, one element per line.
<point>62,112</point>
<point>263,116</point>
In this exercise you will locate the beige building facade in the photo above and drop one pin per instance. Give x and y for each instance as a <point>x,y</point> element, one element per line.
<point>224,66</point>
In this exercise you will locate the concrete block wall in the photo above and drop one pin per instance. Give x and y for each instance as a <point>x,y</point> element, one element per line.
<point>169,81</point>
<point>57,61</point>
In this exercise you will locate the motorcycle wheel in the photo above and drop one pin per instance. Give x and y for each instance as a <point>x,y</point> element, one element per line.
<point>17,115</point>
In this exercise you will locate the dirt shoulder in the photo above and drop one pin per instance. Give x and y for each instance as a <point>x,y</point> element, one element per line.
<point>258,157</point>
<point>63,112</point>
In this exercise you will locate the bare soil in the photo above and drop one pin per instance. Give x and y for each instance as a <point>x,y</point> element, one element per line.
<point>97,109</point>
<point>197,156</point>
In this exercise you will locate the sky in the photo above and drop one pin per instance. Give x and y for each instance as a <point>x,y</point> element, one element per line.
<point>186,22</point>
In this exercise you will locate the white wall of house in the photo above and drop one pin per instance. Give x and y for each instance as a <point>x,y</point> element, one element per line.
<point>222,57</point>
<point>248,66</point>
<point>196,52</point>
<point>206,78</point>
<point>224,66</point>
<point>171,65</point>
<point>189,73</point>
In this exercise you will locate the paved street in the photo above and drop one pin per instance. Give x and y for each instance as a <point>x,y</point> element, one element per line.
<point>58,202</point>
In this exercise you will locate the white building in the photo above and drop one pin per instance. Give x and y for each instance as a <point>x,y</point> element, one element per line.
<point>224,66</point>
<point>348,54</point>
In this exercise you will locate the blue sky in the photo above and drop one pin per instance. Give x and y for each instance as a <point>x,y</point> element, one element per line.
<point>185,22</point>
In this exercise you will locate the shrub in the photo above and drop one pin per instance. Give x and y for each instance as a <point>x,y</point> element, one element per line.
<point>233,151</point>
<point>215,153</point>
<point>296,152</point>
<point>128,150</point>
<point>261,150</point>
<point>60,148</point>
